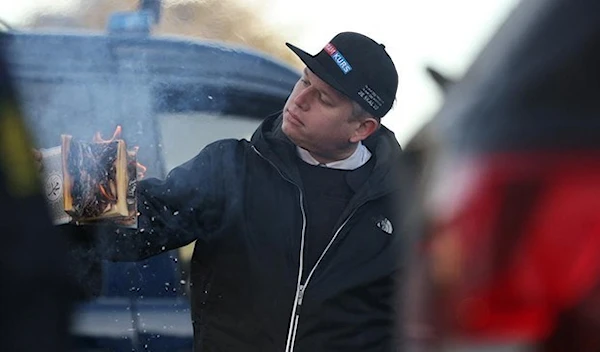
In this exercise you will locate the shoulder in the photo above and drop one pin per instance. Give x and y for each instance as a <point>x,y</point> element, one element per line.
<point>225,154</point>
<point>227,146</point>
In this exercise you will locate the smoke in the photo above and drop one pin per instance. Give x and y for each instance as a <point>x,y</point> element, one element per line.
<point>90,85</point>
<point>82,83</point>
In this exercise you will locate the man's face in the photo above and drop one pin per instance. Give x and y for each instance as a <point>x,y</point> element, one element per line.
<point>319,119</point>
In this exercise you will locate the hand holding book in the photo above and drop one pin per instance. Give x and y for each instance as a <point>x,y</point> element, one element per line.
<point>97,179</point>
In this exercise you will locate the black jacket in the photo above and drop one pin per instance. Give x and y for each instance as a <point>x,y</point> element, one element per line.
<point>242,201</point>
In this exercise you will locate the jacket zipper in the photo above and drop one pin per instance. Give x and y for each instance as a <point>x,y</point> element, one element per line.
<point>295,316</point>
<point>293,326</point>
<point>301,288</point>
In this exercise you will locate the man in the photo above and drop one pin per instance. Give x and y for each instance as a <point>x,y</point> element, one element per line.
<point>295,229</point>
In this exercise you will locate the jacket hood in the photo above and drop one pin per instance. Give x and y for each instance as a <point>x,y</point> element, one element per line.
<point>272,143</point>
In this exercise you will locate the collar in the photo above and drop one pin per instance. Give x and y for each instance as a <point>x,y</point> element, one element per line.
<point>360,157</point>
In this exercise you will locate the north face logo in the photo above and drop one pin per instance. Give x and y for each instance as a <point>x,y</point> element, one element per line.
<point>385,225</point>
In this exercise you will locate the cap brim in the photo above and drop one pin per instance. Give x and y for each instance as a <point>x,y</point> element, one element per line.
<point>317,68</point>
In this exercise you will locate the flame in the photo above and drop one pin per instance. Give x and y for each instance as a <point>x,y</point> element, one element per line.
<point>141,169</point>
<point>108,196</point>
<point>98,137</point>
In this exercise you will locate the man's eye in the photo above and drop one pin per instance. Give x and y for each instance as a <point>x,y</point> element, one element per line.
<point>305,82</point>
<point>326,102</point>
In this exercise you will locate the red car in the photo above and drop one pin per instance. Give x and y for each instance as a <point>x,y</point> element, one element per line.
<point>507,256</point>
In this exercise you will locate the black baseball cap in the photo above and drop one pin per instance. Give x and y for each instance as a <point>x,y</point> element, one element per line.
<point>358,67</point>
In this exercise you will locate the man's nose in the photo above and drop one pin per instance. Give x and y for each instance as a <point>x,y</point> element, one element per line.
<point>302,100</point>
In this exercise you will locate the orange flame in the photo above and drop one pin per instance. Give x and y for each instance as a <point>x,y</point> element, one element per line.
<point>116,134</point>
<point>141,169</point>
<point>108,196</point>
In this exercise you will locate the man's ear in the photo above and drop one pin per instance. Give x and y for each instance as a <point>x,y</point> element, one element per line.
<point>365,129</point>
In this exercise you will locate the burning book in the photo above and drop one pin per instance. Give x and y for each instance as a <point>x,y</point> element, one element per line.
<point>98,181</point>
<point>95,178</point>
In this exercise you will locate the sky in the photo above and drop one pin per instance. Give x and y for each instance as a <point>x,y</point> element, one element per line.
<point>444,34</point>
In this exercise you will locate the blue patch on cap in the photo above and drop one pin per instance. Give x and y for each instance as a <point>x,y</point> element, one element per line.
<point>338,58</point>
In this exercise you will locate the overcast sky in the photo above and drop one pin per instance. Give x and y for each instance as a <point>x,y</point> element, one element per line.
<point>444,34</point>
<point>441,33</point>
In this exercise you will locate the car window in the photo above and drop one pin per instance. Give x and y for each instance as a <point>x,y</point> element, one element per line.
<point>183,135</point>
